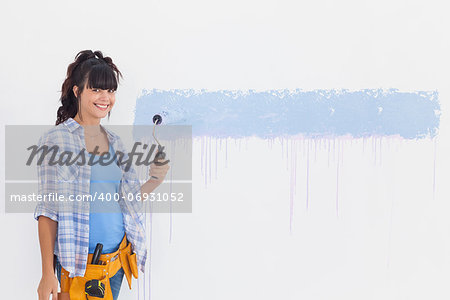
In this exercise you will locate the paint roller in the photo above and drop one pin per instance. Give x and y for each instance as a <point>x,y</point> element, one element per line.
<point>157,119</point>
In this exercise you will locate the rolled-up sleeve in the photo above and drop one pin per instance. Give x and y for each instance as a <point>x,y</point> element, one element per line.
<point>133,207</point>
<point>47,184</point>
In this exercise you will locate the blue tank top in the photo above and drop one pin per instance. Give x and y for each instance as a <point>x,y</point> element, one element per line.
<point>106,224</point>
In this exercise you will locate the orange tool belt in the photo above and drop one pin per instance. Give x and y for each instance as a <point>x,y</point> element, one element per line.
<point>112,262</point>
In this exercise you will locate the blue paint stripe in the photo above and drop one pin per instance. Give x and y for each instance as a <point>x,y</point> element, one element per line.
<point>283,113</point>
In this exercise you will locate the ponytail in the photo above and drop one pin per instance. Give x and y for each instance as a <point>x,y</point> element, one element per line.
<point>89,68</point>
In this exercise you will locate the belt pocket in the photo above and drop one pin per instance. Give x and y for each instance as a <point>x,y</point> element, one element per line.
<point>78,286</point>
<point>133,264</point>
<point>95,271</point>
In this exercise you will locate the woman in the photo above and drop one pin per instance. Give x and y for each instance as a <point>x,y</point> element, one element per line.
<point>88,95</point>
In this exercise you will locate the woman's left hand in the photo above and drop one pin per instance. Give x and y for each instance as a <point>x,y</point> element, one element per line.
<point>158,171</point>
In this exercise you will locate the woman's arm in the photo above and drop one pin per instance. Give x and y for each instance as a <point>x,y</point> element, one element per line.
<point>159,172</point>
<point>47,236</point>
<point>149,186</point>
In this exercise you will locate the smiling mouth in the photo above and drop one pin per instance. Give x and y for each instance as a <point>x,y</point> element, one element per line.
<point>101,107</point>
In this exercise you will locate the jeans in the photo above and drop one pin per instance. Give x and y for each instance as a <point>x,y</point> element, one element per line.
<point>115,281</point>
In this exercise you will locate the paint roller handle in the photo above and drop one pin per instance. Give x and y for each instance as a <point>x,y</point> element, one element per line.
<point>160,155</point>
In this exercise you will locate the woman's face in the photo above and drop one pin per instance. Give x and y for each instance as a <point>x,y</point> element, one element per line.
<point>95,103</point>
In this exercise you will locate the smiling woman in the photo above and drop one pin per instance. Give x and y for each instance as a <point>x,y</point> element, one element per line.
<point>90,77</point>
<point>88,95</point>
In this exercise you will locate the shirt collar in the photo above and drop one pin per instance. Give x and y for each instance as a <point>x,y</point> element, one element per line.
<point>73,125</point>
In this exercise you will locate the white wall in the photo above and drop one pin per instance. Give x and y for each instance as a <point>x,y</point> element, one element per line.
<point>391,239</point>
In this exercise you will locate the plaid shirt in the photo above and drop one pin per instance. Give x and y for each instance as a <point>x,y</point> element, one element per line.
<point>72,238</point>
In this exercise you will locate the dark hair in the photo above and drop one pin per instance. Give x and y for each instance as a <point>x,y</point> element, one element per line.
<point>91,68</point>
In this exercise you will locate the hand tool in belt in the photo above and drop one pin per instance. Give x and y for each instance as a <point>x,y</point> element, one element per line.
<point>94,287</point>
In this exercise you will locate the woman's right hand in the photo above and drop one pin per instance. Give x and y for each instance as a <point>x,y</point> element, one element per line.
<point>47,286</point>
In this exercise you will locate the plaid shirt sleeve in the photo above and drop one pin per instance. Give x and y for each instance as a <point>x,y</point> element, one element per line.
<point>47,183</point>
<point>134,215</point>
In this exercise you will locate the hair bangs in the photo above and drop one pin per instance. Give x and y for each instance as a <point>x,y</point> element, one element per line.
<point>102,77</point>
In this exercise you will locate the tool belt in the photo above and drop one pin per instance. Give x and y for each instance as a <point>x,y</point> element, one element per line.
<point>108,266</point>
